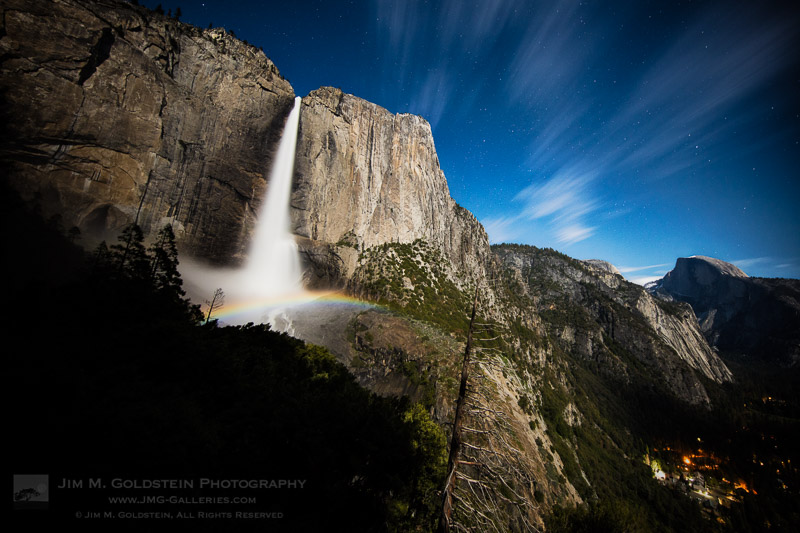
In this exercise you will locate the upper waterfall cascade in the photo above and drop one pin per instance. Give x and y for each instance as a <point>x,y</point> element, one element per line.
<point>271,276</point>
<point>273,262</point>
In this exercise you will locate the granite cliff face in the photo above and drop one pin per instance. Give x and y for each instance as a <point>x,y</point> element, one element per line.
<point>115,114</point>
<point>364,177</point>
<point>738,314</point>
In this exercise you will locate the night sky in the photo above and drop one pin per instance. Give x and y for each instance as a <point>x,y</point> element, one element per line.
<point>634,132</point>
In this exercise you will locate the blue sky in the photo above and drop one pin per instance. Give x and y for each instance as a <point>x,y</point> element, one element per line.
<point>634,132</point>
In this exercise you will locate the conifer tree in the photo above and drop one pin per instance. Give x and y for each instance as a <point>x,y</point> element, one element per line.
<point>130,255</point>
<point>74,234</point>
<point>101,256</point>
<point>164,262</point>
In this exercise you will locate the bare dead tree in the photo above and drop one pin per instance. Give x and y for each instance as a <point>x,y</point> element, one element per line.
<point>216,302</point>
<point>487,484</point>
<point>496,485</point>
<point>455,442</point>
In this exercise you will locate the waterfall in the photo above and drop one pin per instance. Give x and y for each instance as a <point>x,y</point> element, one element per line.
<point>271,277</point>
<point>273,263</point>
<point>268,287</point>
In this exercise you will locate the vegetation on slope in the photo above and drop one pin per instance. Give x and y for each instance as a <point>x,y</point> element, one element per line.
<point>411,278</point>
<point>629,415</point>
<point>116,378</point>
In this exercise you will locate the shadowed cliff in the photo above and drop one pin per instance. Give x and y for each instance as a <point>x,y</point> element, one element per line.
<point>118,114</point>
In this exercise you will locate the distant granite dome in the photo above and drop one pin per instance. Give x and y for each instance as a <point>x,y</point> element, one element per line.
<point>602,265</point>
<point>698,274</point>
<point>723,267</point>
<point>737,313</point>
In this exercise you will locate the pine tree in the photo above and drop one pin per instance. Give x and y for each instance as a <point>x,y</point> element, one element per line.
<point>130,255</point>
<point>164,262</point>
<point>74,234</point>
<point>101,257</point>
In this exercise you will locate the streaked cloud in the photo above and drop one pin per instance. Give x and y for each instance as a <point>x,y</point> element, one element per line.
<point>602,101</point>
<point>657,271</point>
<point>565,195</point>
<point>431,47</point>
<point>565,201</point>
<point>680,101</point>
<point>627,269</point>
<point>433,96</point>
<point>675,107</point>
<point>503,229</point>
<point>750,262</point>
<point>574,233</point>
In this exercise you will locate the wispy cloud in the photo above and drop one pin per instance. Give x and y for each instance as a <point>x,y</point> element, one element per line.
<point>574,233</point>
<point>672,109</point>
<point>471,28</point>
<point>503,229</point>
<point>564,201</point>
<point>769,266</point>
<point>431,47</point>
<point>671,112</point>
<point>655,272</point>
<point>716,62</point>
<point>400,25</point>
<point>552,54</point>
<point>627,269</point>
<point>433,96</point>
<point>566,196</point>
<point>591,122</point>
<point>751,262</point>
